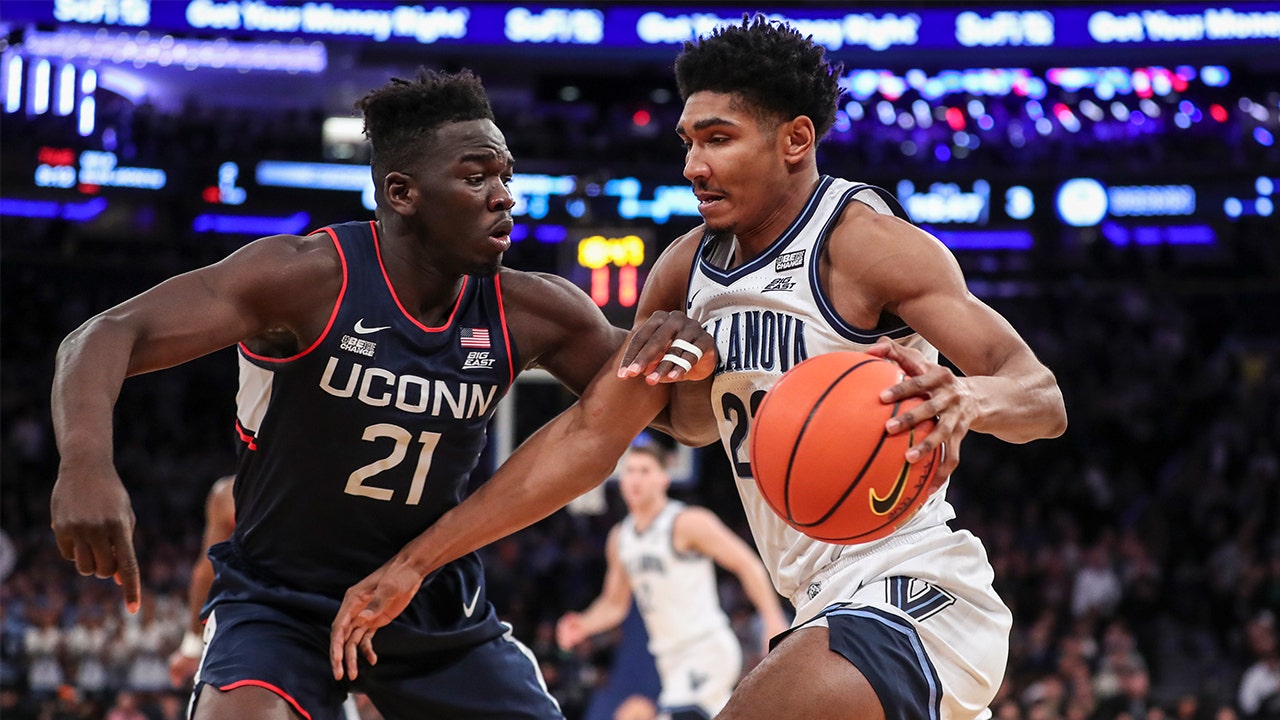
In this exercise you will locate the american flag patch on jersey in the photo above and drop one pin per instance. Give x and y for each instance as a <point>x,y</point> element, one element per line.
<point>475,337</point>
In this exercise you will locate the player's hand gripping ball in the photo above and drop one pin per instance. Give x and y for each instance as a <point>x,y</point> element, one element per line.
<point>821,456</point>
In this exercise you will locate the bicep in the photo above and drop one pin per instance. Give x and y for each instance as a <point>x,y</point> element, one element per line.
<point>261,285</point>
<point>668,280</point>
<point>220,514</point>
<point>922,284</point>
<point>562,331</point>
<point>617,584</point>
<point>703,532</point>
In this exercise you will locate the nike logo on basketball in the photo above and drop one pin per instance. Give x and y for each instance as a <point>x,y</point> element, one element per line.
<point>361,329</point>
<point>882,505</point>
<point>471,607</point>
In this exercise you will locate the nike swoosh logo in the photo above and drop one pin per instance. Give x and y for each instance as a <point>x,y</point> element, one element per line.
<point>362,330</point>
<point>882,505</point>
<point>689,304</point>
<point>471,607</point>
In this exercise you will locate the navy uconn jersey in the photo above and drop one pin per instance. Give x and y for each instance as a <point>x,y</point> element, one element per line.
<point>767,315</point>
<point>355,445</point>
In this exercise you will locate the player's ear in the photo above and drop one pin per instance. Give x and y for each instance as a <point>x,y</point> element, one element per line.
<point>797,137</point>
<point>400,191</point>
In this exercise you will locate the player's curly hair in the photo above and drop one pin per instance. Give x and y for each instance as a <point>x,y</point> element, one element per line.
<point>767,63</point>
<point>403,114</point>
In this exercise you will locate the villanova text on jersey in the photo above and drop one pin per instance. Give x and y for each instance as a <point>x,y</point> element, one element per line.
<point>758,340</point>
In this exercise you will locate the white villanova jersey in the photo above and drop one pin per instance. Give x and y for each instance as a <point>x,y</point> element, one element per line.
<point>767,315</point>
<point>675,592</point>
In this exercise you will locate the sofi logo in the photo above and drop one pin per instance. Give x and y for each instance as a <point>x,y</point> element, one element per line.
<point>133,13</point>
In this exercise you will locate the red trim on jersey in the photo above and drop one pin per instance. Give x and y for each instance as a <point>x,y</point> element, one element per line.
<point>262,684</point>
<point>333,316</point>
<point>248,439</point>
<point>502,315</point>
<point>377,246</point>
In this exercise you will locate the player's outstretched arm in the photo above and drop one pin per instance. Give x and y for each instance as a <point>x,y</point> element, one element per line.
<point>263,285</point>
<point>1005,391</point>
<point>688,416</point>
<point>562,460</point>
<point>605,612</point>
<point>699,529</point>
<point>219,522</point>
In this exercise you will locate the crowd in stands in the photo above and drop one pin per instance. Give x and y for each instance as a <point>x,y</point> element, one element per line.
<point>610,123</point>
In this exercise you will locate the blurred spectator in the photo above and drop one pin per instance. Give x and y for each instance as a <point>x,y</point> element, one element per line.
<point>1259,694</point>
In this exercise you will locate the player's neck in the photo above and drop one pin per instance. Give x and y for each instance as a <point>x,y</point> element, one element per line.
<point>426,291</point>
<point>751,242</point>
<point>644,516</point>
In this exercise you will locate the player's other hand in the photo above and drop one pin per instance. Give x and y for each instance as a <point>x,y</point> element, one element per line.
<point>668,347</point>
<point>367,606</point>
<point>569,631</point>
<point>948,401</point>
<point>771,628</point>
<point>181,669</point>
<point>92,522</point>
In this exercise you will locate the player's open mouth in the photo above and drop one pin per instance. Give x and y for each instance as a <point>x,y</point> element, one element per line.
<point>707,200</point>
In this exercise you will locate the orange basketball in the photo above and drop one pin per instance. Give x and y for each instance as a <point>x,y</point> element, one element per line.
<point>822,458</point>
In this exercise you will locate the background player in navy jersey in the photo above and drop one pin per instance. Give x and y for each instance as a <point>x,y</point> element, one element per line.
<point>662,554</point>
<point>908,626</point>
<point>372,356</point>
<point>219,522</point>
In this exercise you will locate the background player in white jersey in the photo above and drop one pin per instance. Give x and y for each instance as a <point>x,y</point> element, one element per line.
<point>662,554</point>
<point>909,626</point>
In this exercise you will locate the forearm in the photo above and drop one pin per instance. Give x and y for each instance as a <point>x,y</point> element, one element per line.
<point>570,455</point>
<point>1019,404</point>
<point>89,370</point>
<point>198,592</point>
<point>602,615</point>
<point>759,589</point>
<point>688,416</point>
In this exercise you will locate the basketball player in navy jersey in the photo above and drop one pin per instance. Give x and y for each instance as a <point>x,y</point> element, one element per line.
<point>372,356</point>
<point>790,263</point>
<point>664,555</point>
<point>219,522</point>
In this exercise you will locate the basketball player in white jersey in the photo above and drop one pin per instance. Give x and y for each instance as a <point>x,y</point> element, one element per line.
<point>662,554</point>
<point>790,263</point>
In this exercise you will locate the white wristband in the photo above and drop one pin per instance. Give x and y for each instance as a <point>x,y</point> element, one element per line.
<point>192,645</point>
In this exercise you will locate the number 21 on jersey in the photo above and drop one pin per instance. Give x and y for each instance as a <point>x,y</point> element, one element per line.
<point>403,438</point>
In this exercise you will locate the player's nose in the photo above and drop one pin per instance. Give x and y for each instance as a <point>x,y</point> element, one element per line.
<point>695,168</point>
<point>501,199</point>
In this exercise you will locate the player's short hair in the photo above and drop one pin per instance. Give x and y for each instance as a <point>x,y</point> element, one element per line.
<point>652,450</point>
<point>402,115</point>
<point>770,65</point>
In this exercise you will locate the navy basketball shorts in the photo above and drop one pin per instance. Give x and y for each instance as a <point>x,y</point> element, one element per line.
<point>254,644</point>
